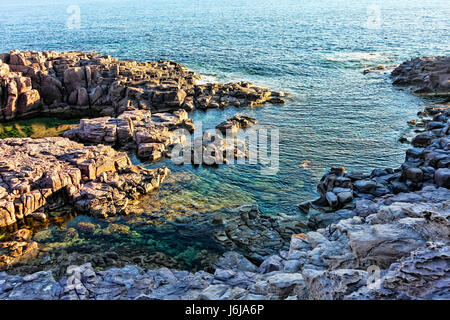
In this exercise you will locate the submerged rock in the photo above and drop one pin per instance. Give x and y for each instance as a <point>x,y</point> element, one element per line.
<point>260,236</point>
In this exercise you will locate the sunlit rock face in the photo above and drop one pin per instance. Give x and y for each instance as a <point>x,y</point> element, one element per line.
<point>89,84</point>
<point>37,174</point>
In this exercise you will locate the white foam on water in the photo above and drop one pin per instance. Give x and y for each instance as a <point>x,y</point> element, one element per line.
<point>207,78</point>
<point>358,56</point>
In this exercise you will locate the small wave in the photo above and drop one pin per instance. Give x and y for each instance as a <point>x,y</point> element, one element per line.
<point>208,78</point>
<point>357,56</point>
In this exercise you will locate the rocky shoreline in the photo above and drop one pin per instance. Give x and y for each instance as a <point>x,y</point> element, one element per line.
<point>141,105</point>
<point>378,236</point>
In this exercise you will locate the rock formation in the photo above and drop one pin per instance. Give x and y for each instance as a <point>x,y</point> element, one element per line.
<point>150,135</point>
<point>125,93</point>
<point>40,174</point>
<point>383,236</point>
<point>81,84</point>
<point>236,123</point>
<point>140,105</point>
<point>428,76</point>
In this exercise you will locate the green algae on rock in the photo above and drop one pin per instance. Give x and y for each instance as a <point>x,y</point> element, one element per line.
<point>36,128</point>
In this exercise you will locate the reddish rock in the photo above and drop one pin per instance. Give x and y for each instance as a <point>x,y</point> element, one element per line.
<point>89,84</point>
<point>152,151</point>
<point>152,135</point>
<point>28,101</point>
<point>22,235</point>
<point>142,105</point>
<point>39,173</point>
<point>13,252</point>
<point>236,123</point>
<point>23,84</point>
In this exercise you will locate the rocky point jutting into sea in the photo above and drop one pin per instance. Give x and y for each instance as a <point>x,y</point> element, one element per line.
<point>378,236</point>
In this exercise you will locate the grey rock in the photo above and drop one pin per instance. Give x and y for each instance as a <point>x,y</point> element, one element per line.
<point>345,197</point>
<point>293,265</point>
<point>40,285</point>
<point>364,185</point>
<point>323,219</point>
<point>442,177</point>
<point>223,275</point>
<point>383,244</point>
<point>332,285</point>
<point>424,274</point>
<point>332,199</point>
<point>315,238</point>
<point>214,292</point>
<point>424,75</point>
<point>234,261</point>
<point>283,284</point>
<point>414,174</point>
<point>365,207</point>
<point>273,263</point>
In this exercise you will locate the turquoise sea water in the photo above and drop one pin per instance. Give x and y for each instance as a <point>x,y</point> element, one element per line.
<point>315,50</point>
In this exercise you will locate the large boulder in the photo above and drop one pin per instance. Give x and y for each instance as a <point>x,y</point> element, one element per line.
<point>442,177</point>
<point>382,244</point>
<point>424,274</point>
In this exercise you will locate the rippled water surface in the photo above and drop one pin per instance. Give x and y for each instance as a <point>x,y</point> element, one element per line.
<point>316,50</point>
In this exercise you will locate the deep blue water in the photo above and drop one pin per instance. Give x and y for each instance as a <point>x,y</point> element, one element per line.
<point>315,50</point>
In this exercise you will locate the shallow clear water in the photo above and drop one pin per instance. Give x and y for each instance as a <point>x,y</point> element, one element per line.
<point>316,50</point>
